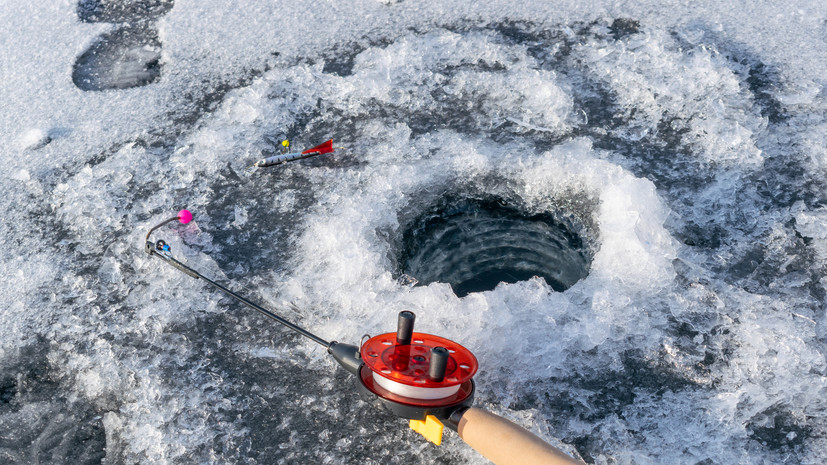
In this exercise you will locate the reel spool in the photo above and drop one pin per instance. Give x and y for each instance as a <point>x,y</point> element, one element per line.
<point>414,375</point>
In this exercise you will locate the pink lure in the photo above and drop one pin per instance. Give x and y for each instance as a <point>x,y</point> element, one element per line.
<point>184,216</point>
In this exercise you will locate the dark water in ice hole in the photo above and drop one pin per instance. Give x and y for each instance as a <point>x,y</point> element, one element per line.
<point>475,244</point>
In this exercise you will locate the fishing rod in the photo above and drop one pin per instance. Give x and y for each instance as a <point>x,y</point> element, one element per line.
<point>420,377</point>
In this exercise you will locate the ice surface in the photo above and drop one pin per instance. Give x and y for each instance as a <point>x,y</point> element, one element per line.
<point>688,139</point>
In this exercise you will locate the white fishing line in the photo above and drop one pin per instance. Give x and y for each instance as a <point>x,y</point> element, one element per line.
<point>413,392</point>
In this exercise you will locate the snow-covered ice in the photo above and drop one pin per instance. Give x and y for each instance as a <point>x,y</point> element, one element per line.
<point>688,140</point>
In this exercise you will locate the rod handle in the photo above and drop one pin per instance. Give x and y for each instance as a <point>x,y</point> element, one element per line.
<point>506,443</point>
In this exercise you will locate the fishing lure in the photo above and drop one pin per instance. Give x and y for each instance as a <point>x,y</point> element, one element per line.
<point>321,149</point>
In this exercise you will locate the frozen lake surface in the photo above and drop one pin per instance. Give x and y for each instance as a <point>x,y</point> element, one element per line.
<point>659,167</point>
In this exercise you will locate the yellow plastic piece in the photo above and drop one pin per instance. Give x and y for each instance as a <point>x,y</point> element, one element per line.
<point>431,428</point>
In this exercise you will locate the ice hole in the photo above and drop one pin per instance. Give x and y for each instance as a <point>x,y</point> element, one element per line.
<point>476,244</point>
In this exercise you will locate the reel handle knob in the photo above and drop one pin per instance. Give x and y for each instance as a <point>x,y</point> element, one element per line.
<point>404,327</point>
<point>438,364</point>
<point>506,443</point>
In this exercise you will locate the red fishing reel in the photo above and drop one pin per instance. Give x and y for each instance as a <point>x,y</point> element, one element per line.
<point>414,375</point>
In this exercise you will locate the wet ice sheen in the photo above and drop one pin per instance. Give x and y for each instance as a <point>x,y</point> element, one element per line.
<point>688,138</point>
